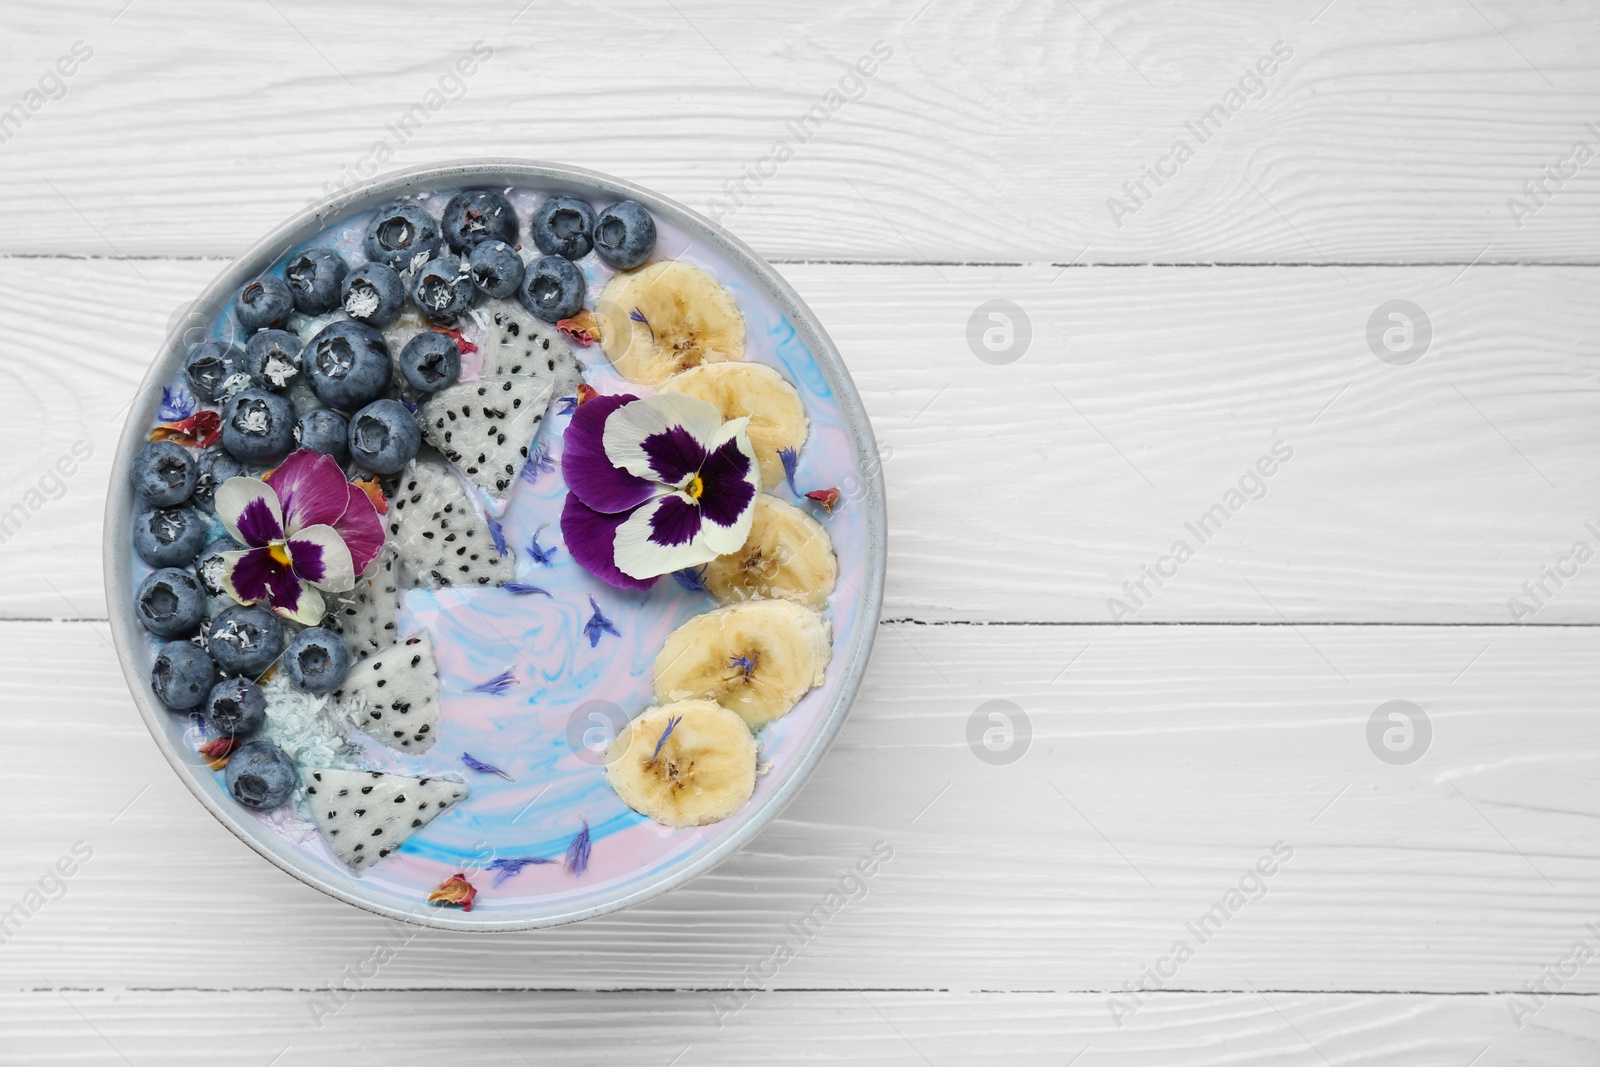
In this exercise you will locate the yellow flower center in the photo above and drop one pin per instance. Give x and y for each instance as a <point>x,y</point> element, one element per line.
<point>278,551</point>
<point>695,487</point>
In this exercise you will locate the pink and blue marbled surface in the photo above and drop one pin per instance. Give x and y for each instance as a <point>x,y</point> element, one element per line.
<point>545,730</point>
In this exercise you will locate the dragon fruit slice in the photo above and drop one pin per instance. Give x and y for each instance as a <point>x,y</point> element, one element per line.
<point>486,428</point>
<point>368,616</point>
<point>439,534</point>
<point>365,815</point>
<point>514,342</point>
<point>395,694</point>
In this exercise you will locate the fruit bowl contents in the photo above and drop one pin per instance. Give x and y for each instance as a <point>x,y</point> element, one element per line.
<point>500,551</point>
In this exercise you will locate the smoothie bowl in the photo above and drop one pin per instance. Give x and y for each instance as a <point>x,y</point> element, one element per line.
<point>496,546</point>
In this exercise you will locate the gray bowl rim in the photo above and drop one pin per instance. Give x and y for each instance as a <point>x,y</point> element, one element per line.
<point>494,173</point>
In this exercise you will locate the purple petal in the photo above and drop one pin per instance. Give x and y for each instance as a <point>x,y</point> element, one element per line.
<point>257,523</point>
<point>252,574</point>
<point>578,851</point>
<point>674,521</point>
<point>308,562</point>
<point>674,454</point>
<point>590,474</point>
<point>511,866</point>
<point>727,489</point>
<point>312,490</point>
<point>484,768</point>
<point>361,528</point>
<point>591,537</point>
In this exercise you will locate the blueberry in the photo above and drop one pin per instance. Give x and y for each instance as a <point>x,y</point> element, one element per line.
<point>624,235</point>
<point>348,364</point>
<point>272,359</point>
<point>374,294</point>
<point>400,232</point>
<point>216,371</point>
<point>263,302</point>
<point>324,430</point>
<point>182,675</point>
<point>317,660</point>
<point>431,361</point>
<point>478,215</point>
<point>170,602</point>
<point>314,278</point>
<point>169,537</point>
<point>442,290</point>
<point>235,708</point>
<point>553,289</point>
<point>245,640</point>
<point>563,226</point>
<point>164,473</point>
<point>210,567</point>
<point>258,428</point>
<point>215,467</point>
<point>496,268</point>
<point>260,775</point>
<point>384,436</point>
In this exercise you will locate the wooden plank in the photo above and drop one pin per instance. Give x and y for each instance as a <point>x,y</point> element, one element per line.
<point>999,133</point>
<point>913,1029</point>
<point>1163,763</point>
<point>1033,491</point>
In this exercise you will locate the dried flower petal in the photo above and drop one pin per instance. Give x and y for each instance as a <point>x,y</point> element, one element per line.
<point>511,867</point>
<point>747,664</point>
<point>790,459</point>
<point>200,430</point>
<point>497,685</point>
<point>497,533</point>
<point>638,316</point>
<point>586,393</point>
<point>582,328</point>
<point>672,724</point>
<point>826,497</point>
<point>486,768</point>
<point>519,589</point>
<point>454,892</point>
<point>217,751</point>
<point>692,579</point>
<point>466,347</point>
<point>540,462</point>
<point>176,404</point>
<point>578,851</point>
<point>374,493</point>
<point>598,624</point>
<point>541,555</point>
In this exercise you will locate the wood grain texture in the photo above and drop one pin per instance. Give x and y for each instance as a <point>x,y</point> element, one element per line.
<point>507,1029</point>
<point>994,132</point>
<point>1163,763</point>
<point>1421,493</point>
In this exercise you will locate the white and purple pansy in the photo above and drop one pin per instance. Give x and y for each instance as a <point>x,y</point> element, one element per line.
<point>655,485</point>
<point>305,529</point>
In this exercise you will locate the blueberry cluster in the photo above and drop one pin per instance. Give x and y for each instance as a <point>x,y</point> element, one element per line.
<point>343,394</point>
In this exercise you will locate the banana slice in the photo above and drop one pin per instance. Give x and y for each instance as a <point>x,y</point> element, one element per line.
<point>757,659</point>
<point>667,317</point>
<point>777,415</point>
<point>788,556</point>
<point>684,764</point>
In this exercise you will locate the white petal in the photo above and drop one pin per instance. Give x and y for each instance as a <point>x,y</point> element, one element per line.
<point>629,425</point>
<point>235,495</point>
<point>640,557</point>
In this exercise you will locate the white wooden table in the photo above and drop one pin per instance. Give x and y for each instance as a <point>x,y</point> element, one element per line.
<point>1170,746</point>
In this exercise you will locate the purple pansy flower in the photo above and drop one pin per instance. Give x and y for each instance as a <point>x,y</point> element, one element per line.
<point>656,485</point>
<point>305,529</point>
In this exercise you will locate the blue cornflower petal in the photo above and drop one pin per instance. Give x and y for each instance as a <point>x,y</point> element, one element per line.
<point>497,685</point>
<point>598,624</point>
<point>578,851</point>
<point>509,868</point>
<point>692,579</point>
<point>791,459</point>
<point>523,590</point>
<point>486,768</point>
